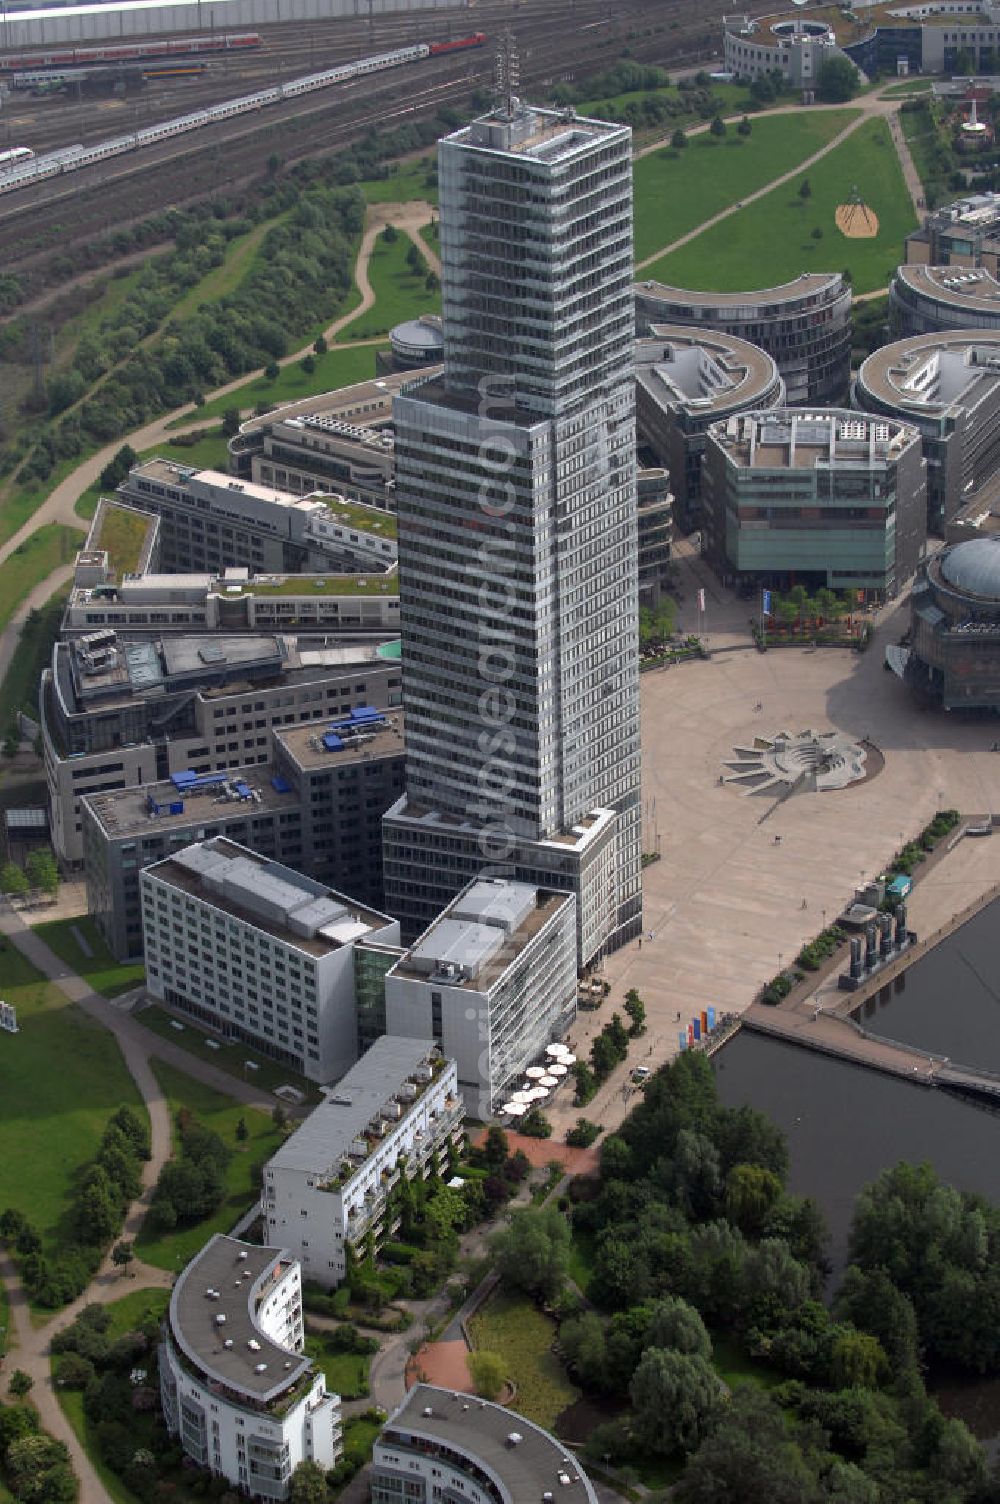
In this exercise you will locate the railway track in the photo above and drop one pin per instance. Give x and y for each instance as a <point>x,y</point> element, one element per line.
<point>185,168</point>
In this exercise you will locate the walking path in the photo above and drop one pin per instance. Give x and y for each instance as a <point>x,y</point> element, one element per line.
<point>869,107</point>
<point>137,1046</point>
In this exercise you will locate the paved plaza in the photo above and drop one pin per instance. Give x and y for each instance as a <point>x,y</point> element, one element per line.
<point>724,904</point>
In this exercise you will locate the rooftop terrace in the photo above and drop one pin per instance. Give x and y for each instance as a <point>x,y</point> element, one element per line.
<point>213,1319</point>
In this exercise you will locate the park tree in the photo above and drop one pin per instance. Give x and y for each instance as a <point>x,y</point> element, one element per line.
<point>242,1131</point>
<point>308,1484</point>
<point>535,1124</point>
<point>744,128</point>
<point>272,371</point>
<point>805,190</point>
<point>13,881</point>
<point>751,1192</point>
<point>636,1010</point>
<point>39,1472</point>
<point>678,140</point>
<point>582,1340</point>
<point>122,1255</point>
<point>42,870</point>
<point>320,345</point>
<point>858,1361</point>
<point>489,1373</point>
<point>496,1147</point>
<point>532,1252</point>
<point>718,126</point>
<point>586,1083</point>
<point>20,1383</point>
<point>116,469</point>
<point>817,233</point>
<point>390,234</point>
<point>673,1323</point>
<point>837,80</point>
<point>674,1399</point>
<point>230,422</point>
<point>308,364</point>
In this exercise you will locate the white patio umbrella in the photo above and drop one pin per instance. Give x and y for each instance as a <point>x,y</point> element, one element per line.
<point>549,1082</point>
<point>535,1072</point>
<point>558,1069</point>
<point>538,1092</point>
<point>514,1109</point>
<point>555,1050</point>
<point>524,1095</point>
<point>568,1060</point>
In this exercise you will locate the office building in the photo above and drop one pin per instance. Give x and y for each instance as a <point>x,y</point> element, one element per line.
<point>328,1190</point>
<point>316,806</point>
<point>953,656</point>
<point>516,502</point>
<point>257,951</point>
<point>687,379</point>
<point>209,522</point>
<point>236,1388</point>
<point>655,518</point>
<point>439,1444</point>
<point>493,981</point>
<point>416,343</point>
<point>116,714</point>
<point>793,50</point>
<point>340,441</point>
<point>155,605</point>
<point>804,325</point>
<point>946,385</point>
<point>834,499</point>
<point>933,299</point>
<point>962,234</point>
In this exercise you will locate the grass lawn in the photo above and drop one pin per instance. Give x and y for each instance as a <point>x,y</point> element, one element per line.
<point>912,86</point>
<point>61,1078</point>
<point>334,369</point>
<point>19,687</point>
<point>514,1327</point>
<point>730,99</point>
<point>932,155</point>
<point>406,181</point>
<point>99,969</point>
<point>71,1404</point>
<point>770,242</point>
<point>228,1057</point>
<point>399,294</point>
<point>172,1250</point>
<point>129,1313</point>
<point>675,191</point>
<point>734,1367</point>
<point>346,1373</point>
<point>33,561</point>
<point>581,1259</point>
<point>359,1438</point>
<point>6,1335</point>
<point>224,279</point>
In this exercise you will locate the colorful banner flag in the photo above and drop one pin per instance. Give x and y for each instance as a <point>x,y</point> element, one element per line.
<point>765,603</point>
<point>701,600</point>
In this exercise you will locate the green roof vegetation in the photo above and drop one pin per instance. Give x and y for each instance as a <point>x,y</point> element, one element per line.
<point>122,534</point>
<point>303,586</point>
<point>363,519</point>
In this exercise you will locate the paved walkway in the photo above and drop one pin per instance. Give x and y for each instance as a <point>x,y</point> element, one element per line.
<point>868,106</point>
<point>137,1046</point>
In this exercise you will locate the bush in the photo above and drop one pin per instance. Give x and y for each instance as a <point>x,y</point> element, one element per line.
<point>584,1134</point>
<point>535,1124</point>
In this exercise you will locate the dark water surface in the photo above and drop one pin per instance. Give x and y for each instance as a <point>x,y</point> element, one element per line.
<point>845,1123</point>
<point>949,1001</point>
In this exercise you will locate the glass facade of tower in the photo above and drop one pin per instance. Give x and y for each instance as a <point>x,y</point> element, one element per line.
<point>516,497</point>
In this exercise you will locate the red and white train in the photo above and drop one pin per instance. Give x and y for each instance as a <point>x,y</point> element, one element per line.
<point>128,52</point>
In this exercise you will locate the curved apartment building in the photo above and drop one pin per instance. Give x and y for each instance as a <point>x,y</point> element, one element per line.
<point>804,325</point>
<point>948,386</point>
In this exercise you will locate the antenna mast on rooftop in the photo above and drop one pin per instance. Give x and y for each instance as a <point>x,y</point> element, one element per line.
<point>506,73</point>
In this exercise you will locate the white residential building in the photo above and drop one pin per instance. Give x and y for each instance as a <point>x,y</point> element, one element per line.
<point>328,1186</point>
<point>235,1385</point>
<point>258,951</point>
<point>442,1445</point>
<point>493,981</point>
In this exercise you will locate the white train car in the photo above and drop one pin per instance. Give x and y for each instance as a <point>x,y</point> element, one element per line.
<point>15,156</point>
<point>22,173</point>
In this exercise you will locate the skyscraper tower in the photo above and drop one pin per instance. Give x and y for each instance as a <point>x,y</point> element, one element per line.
<point>515,481</point>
